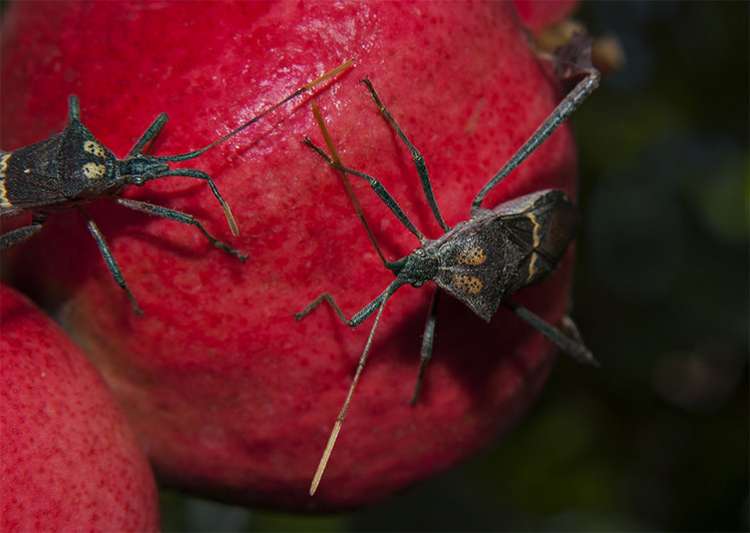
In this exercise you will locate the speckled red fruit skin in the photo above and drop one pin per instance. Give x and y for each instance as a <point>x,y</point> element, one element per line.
<point>540,15</point>
<point>70,461</point>
<point>231,397</point>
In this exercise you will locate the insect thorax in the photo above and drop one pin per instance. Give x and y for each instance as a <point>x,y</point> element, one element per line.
<point>417,268</point>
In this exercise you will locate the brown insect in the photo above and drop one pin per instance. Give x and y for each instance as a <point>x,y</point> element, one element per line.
<point>485,259</point>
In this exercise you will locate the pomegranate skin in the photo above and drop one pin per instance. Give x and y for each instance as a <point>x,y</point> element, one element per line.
<point>70,461</point>
<point>230,396</point>
<point>541,15</point>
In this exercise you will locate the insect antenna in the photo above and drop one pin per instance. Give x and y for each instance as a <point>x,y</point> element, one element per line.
<point>340,419</point>
<point>392,288</point>
<point>347,184</point>
<point>301,90</point>
<point>147,139</point>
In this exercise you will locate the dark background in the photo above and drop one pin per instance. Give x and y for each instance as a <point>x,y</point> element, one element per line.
<point>658,438</point>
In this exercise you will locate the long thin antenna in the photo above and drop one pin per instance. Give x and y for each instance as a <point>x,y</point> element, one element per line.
<point>347,184</point>
<point>340,420</point>
<point>301,90</point>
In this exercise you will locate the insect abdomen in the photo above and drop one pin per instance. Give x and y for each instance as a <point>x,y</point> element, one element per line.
<point>498,252</point>
<point>28,177</point>
<point>540,226</point>
<point>68,168</point>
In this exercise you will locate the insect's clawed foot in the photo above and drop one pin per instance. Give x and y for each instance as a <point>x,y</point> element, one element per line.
<point>136,310</point>
<point>242,257</point>
<point>581,353</point>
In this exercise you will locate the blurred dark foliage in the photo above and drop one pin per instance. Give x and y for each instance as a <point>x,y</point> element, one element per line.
<point>658,438</point>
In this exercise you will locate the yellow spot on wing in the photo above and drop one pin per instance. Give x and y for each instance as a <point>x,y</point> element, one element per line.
<point>3,168</point>
<point>471,255</point>
<point>537,228</point>
<point>94,171</point>
<point>467,284</point>
<point>4,164</point>
<point>94,147</point>
<point>532,266</point>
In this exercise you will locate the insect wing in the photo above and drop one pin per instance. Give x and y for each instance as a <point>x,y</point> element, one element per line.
<point>497,252</point>
<point>55,171</point>
<point>29,177</point>
<point>476,260</point>
<point>539,226</point>
<point>6,208</point>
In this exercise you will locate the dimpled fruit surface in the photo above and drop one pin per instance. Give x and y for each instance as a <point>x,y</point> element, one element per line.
<point>231,397</point>
<point>70,461</point>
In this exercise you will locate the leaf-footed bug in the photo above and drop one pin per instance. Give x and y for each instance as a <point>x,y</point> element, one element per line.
<point>484,259</point>
<point>73,168</point>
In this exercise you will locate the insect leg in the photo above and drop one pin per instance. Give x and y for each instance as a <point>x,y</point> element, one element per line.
<point>19,235</point>
<point>569,328</point>
<point>178,216</point>
<point>424,177</point>
<point>358,318</point>
<point>376,186</point>
<point>192,173</point>
<point>74,109</point>
<point>427,340</point>
<point>149,135</point>
<point>564,109</point>
<point>114,268</point>
<point>347,185</point>
<point>572,345</point>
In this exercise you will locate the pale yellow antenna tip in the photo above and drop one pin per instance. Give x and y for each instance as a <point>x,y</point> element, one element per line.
<point>325,457</point>
<point>329,74</point>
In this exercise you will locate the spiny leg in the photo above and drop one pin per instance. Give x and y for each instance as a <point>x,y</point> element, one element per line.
<point>376,186</point>
<point>572,345</point>
<point>427,340</point>
<point>564,109</point>
<point>424,177</point>
<point>109,258</point>
<point>199,174</point>
<point>360,316</point>
<point>20,235</point>
<point>74,109</point>
<point>149,135</point>
<point>570,330</point>
<point>178,216</point>
<point>326,297</point>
